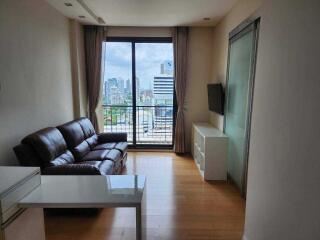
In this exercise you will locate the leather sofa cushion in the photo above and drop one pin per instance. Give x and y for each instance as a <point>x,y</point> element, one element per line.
<point>100,155</point>
<point>48,143</point>
<point>87,127</point>
<point>72,132</point>
<point>89,132</point>
<point>121,146</point>
<point>105,167</point>
<point>74,136</point>
<point>96,155</point>
<point>113,155</point>
<point>81,150</point>
<point>92,141</point>
<point>105,146</point>
<point>65,158</point>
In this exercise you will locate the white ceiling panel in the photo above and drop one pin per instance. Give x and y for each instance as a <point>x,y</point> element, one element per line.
<point>146,12</point>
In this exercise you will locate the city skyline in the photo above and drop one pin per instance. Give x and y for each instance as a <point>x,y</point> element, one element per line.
<point>117,91</point>
<point>149,56</point>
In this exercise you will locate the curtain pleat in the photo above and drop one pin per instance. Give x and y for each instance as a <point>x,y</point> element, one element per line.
<point>94,37</point>
<point>180,43</point>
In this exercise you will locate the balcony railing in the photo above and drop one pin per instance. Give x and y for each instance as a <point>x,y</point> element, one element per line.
<point>154,124</point>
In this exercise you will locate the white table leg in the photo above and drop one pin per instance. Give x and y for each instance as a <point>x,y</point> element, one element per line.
<point>138,223</point>
<point>141,219</point>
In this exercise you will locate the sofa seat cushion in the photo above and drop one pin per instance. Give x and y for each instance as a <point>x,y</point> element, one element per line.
<point>65,158</point>
<point>121,146</point>
<point>96,155</point>
<point>105,167</point>
<point>114,155</point>
<point>105,146</point>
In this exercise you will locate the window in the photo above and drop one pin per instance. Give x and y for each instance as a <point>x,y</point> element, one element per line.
<point>138,90</point>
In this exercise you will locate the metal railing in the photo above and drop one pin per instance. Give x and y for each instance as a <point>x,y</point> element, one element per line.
<point>154,124</point>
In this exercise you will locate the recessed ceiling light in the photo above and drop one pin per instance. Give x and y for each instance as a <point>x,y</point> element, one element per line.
<point>81,16</point>
<point>206,19</point>
<point>68,4</point>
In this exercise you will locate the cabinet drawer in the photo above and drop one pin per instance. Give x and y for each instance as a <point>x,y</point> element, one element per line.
<point>9,203</point>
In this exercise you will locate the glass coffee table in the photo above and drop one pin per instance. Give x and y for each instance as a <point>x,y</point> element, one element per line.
<point>111,191</point>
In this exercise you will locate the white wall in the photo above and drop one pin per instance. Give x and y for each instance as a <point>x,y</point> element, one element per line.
<point>35,71</point>
<point>284,163</point>
<point>198,75</point>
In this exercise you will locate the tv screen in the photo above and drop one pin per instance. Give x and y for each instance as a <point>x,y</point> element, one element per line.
<point>216,98</point>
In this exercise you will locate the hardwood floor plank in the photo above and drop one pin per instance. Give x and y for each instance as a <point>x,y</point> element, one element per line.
<point>180,205</point>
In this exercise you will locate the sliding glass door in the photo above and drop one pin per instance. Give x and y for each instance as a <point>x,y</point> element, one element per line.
<point>138,90</point>
<point>117,88</point>
<point>241,67</point>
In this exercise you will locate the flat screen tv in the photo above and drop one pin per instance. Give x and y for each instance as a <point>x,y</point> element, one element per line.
<point>216,98</point>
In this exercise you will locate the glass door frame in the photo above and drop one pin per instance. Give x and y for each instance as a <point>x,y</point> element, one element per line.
<point>252,24</point>
<point>133,41</point>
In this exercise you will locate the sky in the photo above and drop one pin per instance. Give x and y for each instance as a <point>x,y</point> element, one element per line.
<point>149,56</point>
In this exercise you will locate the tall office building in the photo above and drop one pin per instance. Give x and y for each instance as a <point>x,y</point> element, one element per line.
<point>166,67</point>
<point>128,86</point>
<point>120,84</point>
<point>163,87</point>
<point>114,91</point>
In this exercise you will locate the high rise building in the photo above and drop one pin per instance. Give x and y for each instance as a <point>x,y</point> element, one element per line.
<point>163,87</point>
<point>120,84</point>
<point>166,67</point>
<point>113,90</point>
<point>128,86</point>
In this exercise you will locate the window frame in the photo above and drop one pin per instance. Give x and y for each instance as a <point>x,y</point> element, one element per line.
<point>133,41</point>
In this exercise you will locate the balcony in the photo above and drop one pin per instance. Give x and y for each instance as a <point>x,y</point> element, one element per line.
<point>153,125</point>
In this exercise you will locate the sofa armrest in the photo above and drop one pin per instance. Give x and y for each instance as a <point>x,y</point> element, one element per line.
<point>71,169</point>
<point>112,137</point>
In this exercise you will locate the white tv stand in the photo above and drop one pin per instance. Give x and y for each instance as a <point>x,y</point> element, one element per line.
<point>209,150</point>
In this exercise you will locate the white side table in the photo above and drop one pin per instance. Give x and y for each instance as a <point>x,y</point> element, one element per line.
<point>18,223</point>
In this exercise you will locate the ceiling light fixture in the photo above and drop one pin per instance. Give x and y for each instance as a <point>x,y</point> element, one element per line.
<point>68,4</point>
<point>206,19</point>
<point>81,16</point>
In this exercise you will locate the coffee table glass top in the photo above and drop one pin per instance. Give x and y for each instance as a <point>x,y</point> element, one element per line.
<point>86,191</point>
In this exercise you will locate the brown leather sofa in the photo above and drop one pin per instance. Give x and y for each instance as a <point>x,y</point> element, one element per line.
<point>74,148</point>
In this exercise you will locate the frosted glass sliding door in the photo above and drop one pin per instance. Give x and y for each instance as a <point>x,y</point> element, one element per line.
<point>238,104</point>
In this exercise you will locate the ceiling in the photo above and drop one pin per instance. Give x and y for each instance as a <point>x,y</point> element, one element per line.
<point>145,12</point>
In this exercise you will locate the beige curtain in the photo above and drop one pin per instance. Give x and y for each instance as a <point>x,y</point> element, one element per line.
<point>180,43</point>
<point>94,37</point>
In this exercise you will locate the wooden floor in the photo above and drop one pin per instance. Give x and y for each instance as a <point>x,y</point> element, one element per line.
<point>179,206</point>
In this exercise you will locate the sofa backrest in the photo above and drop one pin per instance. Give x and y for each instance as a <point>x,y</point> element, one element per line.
<point>49,146</point>
<point>89,132</point>
<point>80,137</point>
